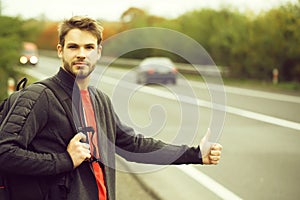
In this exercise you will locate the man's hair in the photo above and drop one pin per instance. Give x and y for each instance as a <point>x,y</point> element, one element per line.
<point>81,23</point>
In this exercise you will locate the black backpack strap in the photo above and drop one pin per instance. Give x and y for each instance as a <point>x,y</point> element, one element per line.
<point>21,84</point>
<point>65,101</point>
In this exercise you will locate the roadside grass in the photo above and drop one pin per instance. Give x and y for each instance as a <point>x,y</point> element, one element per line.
<point>292,88</point>
<point>21,74</point>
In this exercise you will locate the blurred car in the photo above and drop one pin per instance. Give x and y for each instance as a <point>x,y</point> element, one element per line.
<point>29,54</point>
<point>156,70</point>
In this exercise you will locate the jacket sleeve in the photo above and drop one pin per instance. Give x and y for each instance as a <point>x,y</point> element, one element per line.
<point>137,148</point>
<point>26,121</point>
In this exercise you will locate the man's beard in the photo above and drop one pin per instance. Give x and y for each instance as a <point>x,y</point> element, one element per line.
<point>79,75</point>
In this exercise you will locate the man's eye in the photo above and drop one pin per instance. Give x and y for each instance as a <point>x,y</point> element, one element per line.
<point>90,47</point>
<point>72,47</point>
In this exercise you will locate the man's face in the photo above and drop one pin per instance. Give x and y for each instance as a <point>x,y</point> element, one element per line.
<point>80,53</point>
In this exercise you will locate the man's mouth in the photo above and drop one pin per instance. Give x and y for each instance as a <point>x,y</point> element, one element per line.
<point>80,64</point>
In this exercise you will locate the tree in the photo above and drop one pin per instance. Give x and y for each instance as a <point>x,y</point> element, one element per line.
<point>10,46</point>
<point>48,38</point>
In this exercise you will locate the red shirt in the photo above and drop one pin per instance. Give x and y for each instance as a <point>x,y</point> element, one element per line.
<point>91,121</point>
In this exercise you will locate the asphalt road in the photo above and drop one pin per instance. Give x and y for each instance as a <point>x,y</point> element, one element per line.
<point>260,136</point>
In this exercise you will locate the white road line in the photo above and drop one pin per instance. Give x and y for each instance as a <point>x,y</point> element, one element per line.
<point>208,104</point>
<point>252,93</point>
<point>208,182</point>
<point>263,118</point>
<point>240,91</point>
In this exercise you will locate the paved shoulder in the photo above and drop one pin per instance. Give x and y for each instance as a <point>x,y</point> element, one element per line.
<point>130,187</point>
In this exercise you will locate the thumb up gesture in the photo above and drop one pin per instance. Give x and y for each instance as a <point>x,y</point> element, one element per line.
<point>211,152</point>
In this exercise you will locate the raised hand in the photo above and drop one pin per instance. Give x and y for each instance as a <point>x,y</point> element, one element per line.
<point>211,152</point>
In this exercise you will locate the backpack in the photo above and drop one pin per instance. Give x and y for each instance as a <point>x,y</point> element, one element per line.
<point>8,105</point>
<point>5,108</point>
<point>5,112</point>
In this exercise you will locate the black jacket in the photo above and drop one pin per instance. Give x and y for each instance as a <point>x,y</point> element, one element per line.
<point>33,146</point>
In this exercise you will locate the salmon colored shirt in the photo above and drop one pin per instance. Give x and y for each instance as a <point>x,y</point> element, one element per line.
<point>91,121</point>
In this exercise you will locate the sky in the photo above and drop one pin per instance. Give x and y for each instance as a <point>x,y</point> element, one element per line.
<point>111,10</point>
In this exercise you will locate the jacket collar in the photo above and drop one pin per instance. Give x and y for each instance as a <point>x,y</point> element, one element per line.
<point>69,85</point>
<point>66,79</point>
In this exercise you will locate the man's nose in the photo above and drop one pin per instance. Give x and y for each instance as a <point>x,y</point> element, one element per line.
<point>81,53</point>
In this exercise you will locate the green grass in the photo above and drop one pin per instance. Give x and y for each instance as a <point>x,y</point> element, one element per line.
<point>282,87</point>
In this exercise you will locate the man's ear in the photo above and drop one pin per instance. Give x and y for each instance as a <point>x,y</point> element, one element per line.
<point>59,48</point>
<point>99,51</point>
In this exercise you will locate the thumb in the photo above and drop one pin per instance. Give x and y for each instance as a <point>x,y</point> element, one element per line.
<point>205,144</point>
<point>206,136</point>
<point>79,137</point>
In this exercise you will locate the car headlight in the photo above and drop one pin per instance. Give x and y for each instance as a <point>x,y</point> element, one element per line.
<point>33,60</point>
<point>23,60</point>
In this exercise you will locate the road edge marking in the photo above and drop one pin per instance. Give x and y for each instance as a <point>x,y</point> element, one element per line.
<point>208,182</point>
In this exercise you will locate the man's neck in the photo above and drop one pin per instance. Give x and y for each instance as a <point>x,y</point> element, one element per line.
<point>83,83</point>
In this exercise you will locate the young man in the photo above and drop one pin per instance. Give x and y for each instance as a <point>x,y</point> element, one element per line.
<point>45,157</point>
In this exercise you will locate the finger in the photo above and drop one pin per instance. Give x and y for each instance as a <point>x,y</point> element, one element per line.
<point>88,157</point>
<point>217,146</point>
<point>87,154</point>
<point>79,137</point>
<point>207,135</point>
<point>215,152</point>
<point>214,162</point>
<point>205,145</point>
<point>86,146</point>
<point>84,152</point>
<point>214,158</point>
